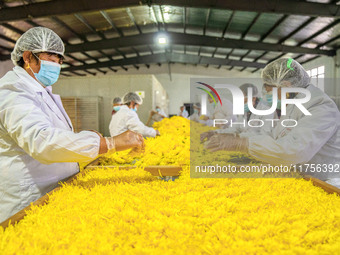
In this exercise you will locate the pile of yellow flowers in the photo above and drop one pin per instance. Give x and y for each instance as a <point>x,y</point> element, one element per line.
<point>171,148</point>
<point>111,211</point>
<point>179,139</point>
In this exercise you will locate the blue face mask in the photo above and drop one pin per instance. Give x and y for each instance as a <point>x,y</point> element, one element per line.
<point>134,109</point>
<point>195,111</point>
<point>48,73</point>
<point>158,110</point>
<point>246,108</point>
<point>116,108</point>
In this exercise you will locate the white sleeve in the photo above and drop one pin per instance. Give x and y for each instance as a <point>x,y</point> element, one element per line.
<point>298,144</point>
<point>36,134</point>
<point>163,113</point>
<point>134,124</point>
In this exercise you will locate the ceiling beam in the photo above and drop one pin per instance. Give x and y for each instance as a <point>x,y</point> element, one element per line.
<point>4,57</point>
<point>195,40</point>
<point>62,7</point>
<point>166,58</point>
<point>190,39</point>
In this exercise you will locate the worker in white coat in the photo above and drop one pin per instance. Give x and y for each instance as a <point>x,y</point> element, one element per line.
<point>38,146</point>
<point>127,119</point>
<point>314,140</point>
<point>183,112</point>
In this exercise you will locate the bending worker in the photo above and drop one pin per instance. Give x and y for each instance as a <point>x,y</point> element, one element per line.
<point>127,119</point>
<point>38,145</point>
<point>314,140</point>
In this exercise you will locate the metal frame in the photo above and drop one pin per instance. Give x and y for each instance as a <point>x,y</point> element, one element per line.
<point>166,58</point>
<point>317,33</point>
<point>195,40</point>
<point>61,7</point>
<point>252,23</point>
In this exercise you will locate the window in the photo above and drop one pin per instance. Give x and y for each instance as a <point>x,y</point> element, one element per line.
<point>317,76</point>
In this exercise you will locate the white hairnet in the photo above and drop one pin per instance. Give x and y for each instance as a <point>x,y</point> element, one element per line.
<point>285,69</point>
<point>132,97</point>
<point>244,89</point>
<point>117,100</point>
<point>37,39</point>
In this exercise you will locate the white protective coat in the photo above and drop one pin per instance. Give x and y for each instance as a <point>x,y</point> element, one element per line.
<point>35,137</point>
<point>127,119</point>
<point>315,140</point>
<point>184,114</point>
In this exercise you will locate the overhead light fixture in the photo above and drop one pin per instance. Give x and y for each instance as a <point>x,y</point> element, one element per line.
<point>162,40</point>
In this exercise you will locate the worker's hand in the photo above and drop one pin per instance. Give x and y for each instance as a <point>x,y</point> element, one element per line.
<point>157,133</point>
<point>127,140</point>
<point>207,135</point>
<point>124,141</point>
<point>228,142</point>
<point>152,113</point>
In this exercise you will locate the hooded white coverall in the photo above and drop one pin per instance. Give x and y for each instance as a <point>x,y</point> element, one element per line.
<point>315,140</point>
<point>35,138</point>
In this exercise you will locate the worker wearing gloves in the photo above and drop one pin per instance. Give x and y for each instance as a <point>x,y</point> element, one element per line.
<point>117,102</point>
<point>127,119</point>
<point>246,130</point>
<point>315,139</point>
<point>38,145</point>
